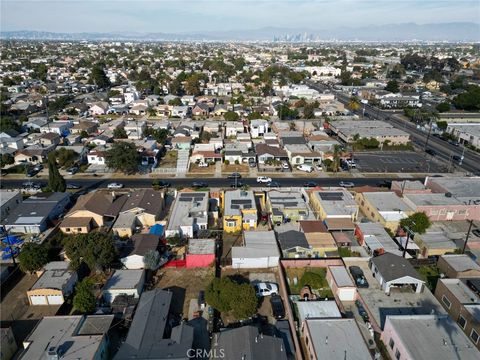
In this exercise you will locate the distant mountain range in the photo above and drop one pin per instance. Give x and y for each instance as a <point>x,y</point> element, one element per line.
<point>452,32</point>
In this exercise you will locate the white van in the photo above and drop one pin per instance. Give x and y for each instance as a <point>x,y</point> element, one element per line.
<point>306,168</point>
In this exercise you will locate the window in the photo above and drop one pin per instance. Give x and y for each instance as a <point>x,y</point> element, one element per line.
<point>462,322</point>
<point>462,212</point>
<point>391,343</point>
<point>231,223</point>
<point>474,336</point>
<point>397,355</point>
<point>446,302</point>
<point>67,229</point>
<point>79,229</point>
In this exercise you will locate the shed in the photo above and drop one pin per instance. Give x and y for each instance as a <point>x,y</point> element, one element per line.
<point>341,283</point>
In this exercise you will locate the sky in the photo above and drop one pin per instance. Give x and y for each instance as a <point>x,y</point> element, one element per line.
<point>73,16</point>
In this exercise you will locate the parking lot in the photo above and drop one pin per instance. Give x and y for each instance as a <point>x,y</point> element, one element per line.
<point>399,162</point>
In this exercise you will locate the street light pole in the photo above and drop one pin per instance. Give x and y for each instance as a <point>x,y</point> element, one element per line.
<point>468,235</point>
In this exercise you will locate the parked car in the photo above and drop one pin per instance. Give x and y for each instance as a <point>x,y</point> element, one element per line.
<point>310,184</point>
<point>38,167</point>
<point>318,166</point>
<point>252,163</point>
<point>351,163</point>
<point>202,164</point>
<point>199,184</point>
<point>31,186</point>
<point>285,165</point>
<point>306,168</point>
<point>73,186</point>
<point>476,232</point>
<point>73,170</point>
<point>32,173</point>
<point>361,310</point>
<point>266,289</point>
<point>453,142</point>
<point>358,276</point>
<point>278,310</point>
<point>457,158</point>
<point>346,184</point>
<point>431,152</point>
<point>161,184</point>
<point>263,179</point>
<point>235,175</point>
<point>114,186</point>
<point>384,183</point>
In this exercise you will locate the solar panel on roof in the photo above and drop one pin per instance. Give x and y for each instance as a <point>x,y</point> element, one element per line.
<point>331,196</point>
<point>235,206</point>
<point>241,201</point>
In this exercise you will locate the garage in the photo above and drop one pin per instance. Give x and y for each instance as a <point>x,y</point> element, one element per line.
<point>38,300</point>
<point>55,299</point>
<point>341,283</point>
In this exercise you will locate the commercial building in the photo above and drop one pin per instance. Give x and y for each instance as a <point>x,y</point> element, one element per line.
<point>348,130</point>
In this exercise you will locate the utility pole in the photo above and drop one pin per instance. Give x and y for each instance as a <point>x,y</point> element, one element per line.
<point>428,135</point>
<point>406,242</point>
<point>468,235</point>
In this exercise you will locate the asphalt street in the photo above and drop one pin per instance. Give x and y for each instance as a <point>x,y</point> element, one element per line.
<point>212,182</point>
<point>444,150</point>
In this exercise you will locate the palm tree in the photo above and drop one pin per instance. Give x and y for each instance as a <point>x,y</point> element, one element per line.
<point>336,157</point>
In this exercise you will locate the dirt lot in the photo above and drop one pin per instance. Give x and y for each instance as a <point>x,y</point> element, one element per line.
<point>185,284</point>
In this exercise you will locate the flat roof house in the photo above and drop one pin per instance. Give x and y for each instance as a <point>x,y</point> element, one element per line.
<point>260,250</point>
<point>384,207</point>
<point>33,215</point>
<point>124,282</point>
<point>334,339</point>
<point>461,299</point>
<point>239,211</point>
<point>375,239</point>
<point>395,271</point>
<point>189,214</point>
<point>151,335</point>
<point>81,337</point>
<point>287,204</point>
<point>426,337</point>
<point>56,281</point>
<point>458,266</point>
<point>333,204</point>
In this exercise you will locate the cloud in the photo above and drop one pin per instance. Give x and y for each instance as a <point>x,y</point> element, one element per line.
<point>214,15</point>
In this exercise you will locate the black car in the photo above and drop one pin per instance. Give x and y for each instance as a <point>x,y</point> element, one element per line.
<point>161,184</point>
<point>456,158</point>
<point>273,184</point>
<point>278,309</point>
<point>199,184</point>
<point>235,175</point>
<point>310,184</point>
<point>384,183</point>
<point>431,152</point>
<point>358,276</point>
<point>361,310</point>
<point>32,173</point>
<point>237,184</point>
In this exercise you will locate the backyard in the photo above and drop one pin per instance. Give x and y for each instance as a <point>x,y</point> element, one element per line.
<point>297,278</point>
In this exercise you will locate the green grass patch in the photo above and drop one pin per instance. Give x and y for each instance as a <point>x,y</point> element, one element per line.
<point>430,274</point>
<point>314,277</point>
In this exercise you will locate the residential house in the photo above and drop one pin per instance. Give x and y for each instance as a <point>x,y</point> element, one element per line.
<point>55,283</point>
<point>335,339</point>
<point>200,253</point>
<point>239,211</point>
<point>246,342</point>
<point>96,157</point>
<point>189,214</point>
<point>299,154</point>
<point>266,153</point>
<point>153,333</point>
<point>395,271</point>
<point>434,243</point>
<point>33,154</point>
<point>405,337</point>
<point>321,241</point>
<point>61,128</point>
<point>385,208</point>
<point>334,203</point>
<point>232,128</point>
<point>82,337</point>
<point>287,204</point>
<point>259,250</point>
<point>181,112</point>
<point>294,244</point>
<point>124,282</point>
<point>49,139</point>
<point>35,214</point>
<point>461,299</point>
<point>258,128</point>
<point>375,239</point>
<point>458,266</point>
<point>200,109</point>
<point>89,127</point>
<point>98,108</point>
<point>135,129</point>
<point>142,243</point>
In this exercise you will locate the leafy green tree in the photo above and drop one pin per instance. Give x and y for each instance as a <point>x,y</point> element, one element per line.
<point>442,125</point>
<point>56,182</point>
<point>231,116</point>
<point>9,123</point>
<point>120,133</point>
<point>443,107</point>
<point>65,157</point>
<point>392,86</point>
<point>98,76</point>
<point>469,100</point>
<point>151,259</point>
<point>354,103</point>
<point>123,156</point>
<point>285,113</point>
<point>96,249</point>
<point>417,222</point>
<point>254,115</point>
<point>84,299</point>
<point>6,159</point>
<point>32,257</point>
<point>176,87</point>
<point>175,102</point>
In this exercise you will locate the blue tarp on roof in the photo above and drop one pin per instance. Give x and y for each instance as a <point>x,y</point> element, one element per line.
<point>157,229</point>
<point>11,240</point>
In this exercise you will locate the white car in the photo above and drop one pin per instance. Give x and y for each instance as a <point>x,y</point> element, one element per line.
<point>263,180</point>
<point>115,186</point>
<point>285,165</point>
<point>306,168</point>
<point>202,164</point>
<point>346,184</point>
<point>266,289</point>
